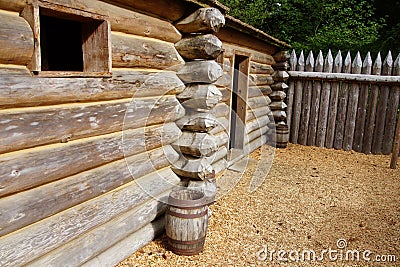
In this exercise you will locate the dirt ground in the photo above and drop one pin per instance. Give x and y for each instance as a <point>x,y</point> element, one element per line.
<point>312,199</point>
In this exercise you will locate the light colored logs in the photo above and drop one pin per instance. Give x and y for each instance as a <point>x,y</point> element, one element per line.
<point>258,112</point>
<point>63,227</point>
<point>224,81</point>
<point>130,51</point>
<point>34,167</point>
<point>171,10</point>
<point>24,128</point>
<point>256,143</point>
<point>297,104</point>
<point>16,40</point>
<point>259,101</point>
<point>259,90</point>
<point>256,56</point>
<point>200,96</point>
<point>257,123</point>
<point>207,71</point>
<point>196,144</point>
<point>258,68</point>
<point>198,122</point>
<point>44,201</point>
<point>220,110</point>
<point>279,105</point>
<point>198,168</point>
<point>257,133</point>
<point>223,125</point>
<point>21,90</point>
<point>261,79</point>
<point>202,20</point>
<point>206,46</point>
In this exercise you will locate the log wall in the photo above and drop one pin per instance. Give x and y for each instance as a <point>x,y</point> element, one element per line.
<point>82,157</point>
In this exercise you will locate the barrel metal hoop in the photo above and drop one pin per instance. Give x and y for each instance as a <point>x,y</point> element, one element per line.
<point>190,242</point>
<point>188,207</point>
<point>187,216</point>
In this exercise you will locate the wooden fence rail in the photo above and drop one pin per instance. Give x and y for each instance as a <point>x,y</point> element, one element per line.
<point>350,104</point>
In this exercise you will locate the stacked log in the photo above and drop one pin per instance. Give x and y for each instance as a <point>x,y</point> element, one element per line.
<point>201,146</point>
<point>278,95</point>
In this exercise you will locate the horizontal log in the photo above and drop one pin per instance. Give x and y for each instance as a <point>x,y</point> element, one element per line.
<point>24,90</point>
<point>171,10</point>
<point>279,115</point>
<point>280,76</point>
<point>345,77</point>
<point>196,144</point>
<point>206,46</point>
<point>259,101</point>
<point>258,68</point>
<point>257,112</point>
<point>25,128</point>
<point>44,201</point>
<point>202,20</point>
<point>34,167</point>
<point>224,81</point>
<point>256,56</point>
<point>200,96</point>
<point>112,256</point>
<point>281,66</point>
<point>261,79</point>
<point>223,125</point>
<point>129,51</point>
<point>259,91</point>
<point>200,122</point>
<point>12,5</point>
<point>257,123</point>
<point>222,138</point>
<point>277,95</point>
<point>278,105</point>
<point>101,238</point>
<point>63,227</point>
<point>253,145</point>
<point>279,87</point>
<point>198,168</point>
<point>16,40</point>
<point>220,110</point>
<point>281,56</point>
<point>226,94</point>
<point>126,20</point>
<point>220,166</point>
<point>202,71</point>
<point>257,133</point>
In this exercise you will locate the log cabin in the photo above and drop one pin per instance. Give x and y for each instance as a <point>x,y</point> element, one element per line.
<point>106,105</point>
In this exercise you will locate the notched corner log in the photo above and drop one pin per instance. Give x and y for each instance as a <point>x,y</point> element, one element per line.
<point>206,46</point>
<point>198,122</point>
<point>196,144</point>
<point>205,71</point>
<point>280,76</point>
<point>202,20</point>
<point>200,96</point>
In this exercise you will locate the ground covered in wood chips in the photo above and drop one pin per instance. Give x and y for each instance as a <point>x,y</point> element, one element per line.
<point>312,198</point>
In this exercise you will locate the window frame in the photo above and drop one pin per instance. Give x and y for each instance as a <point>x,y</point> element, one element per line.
<point>31,14</point>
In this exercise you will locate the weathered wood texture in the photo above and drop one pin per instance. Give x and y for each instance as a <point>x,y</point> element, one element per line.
<point>25,128</point>
<point>200,96</point>
<point>261,79</point>
<point>63,227</point>
<point>196,144</point>
<point>356,111</point>
<point>199,122</point>
<point>256,56</point>
<point>105,236</point>
<point>129,51</point>
<point>204,71</point>
<point>171,10</point>
<point>290,91</point>
<point>202,20</point>
<point>396,146</point>
<point>297,107</point>
<point>16,40</point>
<point>34,167</point>
<point>24,90</point>
<point>258,68</point>
<point>206,46</point>
<point>12,5</point>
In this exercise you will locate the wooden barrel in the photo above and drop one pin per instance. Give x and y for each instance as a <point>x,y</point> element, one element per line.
<point>186,221</point>
<point>282,135</point>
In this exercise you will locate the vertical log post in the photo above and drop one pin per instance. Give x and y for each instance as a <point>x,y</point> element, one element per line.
<point>290,93</point>
<point>396,146</point>
<point>297,102</point>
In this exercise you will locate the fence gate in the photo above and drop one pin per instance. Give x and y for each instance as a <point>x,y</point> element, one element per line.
<point>350,104</point>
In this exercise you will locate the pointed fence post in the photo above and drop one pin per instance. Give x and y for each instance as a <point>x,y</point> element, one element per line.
<point>324,106</point>
<point>342,107</point>
<point>382,104</point>
<point>362,106</point>
<point>290,94</point>
<point>297,101</point>
<point>371,112</point>
<point>330,131</point>
<point>315,102</point>
<point>392,108</point>
<point>305,112</point>
<point>354,93</point>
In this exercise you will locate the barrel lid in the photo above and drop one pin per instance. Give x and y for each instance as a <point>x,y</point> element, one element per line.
<point>187,198</point>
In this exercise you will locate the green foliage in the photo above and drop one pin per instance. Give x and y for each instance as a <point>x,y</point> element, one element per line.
<point>314,24</point>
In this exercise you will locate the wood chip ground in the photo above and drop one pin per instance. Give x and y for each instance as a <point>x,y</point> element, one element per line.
<point>311,198</point>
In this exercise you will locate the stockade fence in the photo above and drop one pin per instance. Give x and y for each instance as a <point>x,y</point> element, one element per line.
<point>350,104</point>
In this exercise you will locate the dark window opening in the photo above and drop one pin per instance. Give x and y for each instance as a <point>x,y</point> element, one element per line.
<point>61,44</point>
